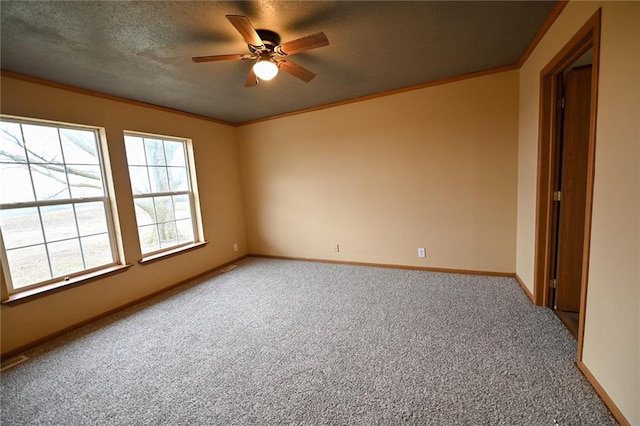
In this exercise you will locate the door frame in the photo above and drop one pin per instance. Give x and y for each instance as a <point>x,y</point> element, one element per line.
<point>588,37</point>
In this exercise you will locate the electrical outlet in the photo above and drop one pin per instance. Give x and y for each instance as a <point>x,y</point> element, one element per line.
<point>235,246</point>
<point>337,248</point>
<point>422,252</point>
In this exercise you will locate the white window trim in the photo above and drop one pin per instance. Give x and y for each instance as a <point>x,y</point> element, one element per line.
<point>11,293</point>
<point>194,203</point>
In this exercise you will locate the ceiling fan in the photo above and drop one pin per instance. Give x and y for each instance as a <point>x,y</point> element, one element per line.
<point>268,52</point>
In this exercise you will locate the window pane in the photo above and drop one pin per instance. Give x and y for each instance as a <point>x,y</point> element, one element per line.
<point>85,181</point>
<point>28,265</point>
<point>139,179</point>
<point>21,227</point>
<point>96,250</point>
<point>178,179</point>
<point>145,211</point>
<point>148,238</point>
<point>79,146</point>
<point>49,181</point>
<point>135,151</point>
<point>20,189</point>
<point>92,218</point>
<point>185,231</point>
<point>59,222</point>
<point>43,162</point>
<point>164,209</point>
<point>154,151</point>
<point>65,257</point>
<point>181,207</point>
<point>167,171</point>
<point>11,144</point>
<point>43,144</point>
<point>159,179</point>
<point>168,234</point>
<point>174,152</point>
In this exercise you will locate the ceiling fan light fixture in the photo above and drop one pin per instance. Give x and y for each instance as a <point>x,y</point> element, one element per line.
<point>265,69</point>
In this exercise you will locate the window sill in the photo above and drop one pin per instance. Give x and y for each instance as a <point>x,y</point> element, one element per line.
<point>157,256</point>
<point>22,296</point>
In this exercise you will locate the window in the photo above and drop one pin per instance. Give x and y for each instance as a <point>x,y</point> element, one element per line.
<point>162,190</point>
<point>55,214</point>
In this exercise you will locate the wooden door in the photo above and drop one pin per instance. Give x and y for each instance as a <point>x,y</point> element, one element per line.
<point>573,188</point>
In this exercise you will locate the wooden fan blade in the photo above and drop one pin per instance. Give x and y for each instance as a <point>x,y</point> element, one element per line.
<point>219,58</point>
<point>244,27</point>
<point>251,80</point>
<point>296,71</point>
<point>301,44</point>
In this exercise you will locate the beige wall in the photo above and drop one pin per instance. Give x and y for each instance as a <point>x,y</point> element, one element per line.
<point>432,168</point>
<point>612,329</point>
<point>216,159</point>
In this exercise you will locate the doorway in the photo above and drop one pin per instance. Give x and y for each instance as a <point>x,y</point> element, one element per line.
<point>566,154</point>
<point>569,191</point>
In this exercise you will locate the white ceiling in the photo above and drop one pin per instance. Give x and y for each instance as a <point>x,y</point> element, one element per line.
<point>142,50</point>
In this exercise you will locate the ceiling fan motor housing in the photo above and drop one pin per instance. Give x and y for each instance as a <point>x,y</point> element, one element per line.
<point>270,39</point>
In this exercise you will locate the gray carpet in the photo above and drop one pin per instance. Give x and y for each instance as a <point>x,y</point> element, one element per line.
<point>277,341</point>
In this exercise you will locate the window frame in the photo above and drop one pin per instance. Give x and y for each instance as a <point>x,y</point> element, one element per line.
<point>107,200</point>
<point>191,192</point>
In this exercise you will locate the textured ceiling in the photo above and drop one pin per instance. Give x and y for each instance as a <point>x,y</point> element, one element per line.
<point>142,50</point>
